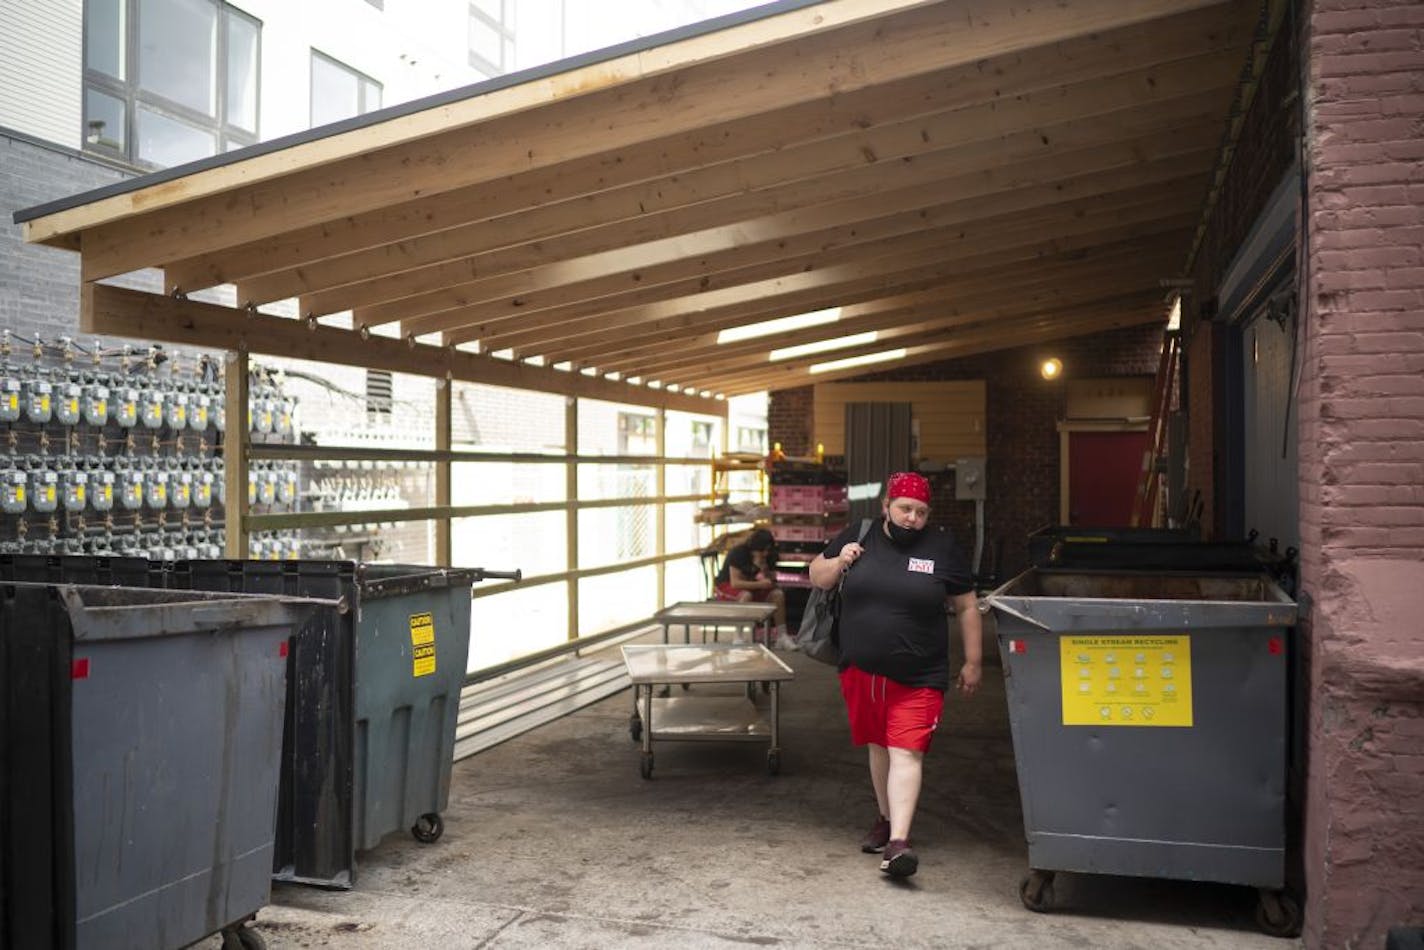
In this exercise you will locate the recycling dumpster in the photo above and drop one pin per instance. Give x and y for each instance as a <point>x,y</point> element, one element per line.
<point>373,698</point>
<point>1149,721</point>
<point>141,739</point>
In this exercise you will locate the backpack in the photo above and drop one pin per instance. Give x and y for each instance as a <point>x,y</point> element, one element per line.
<point>819,636</point>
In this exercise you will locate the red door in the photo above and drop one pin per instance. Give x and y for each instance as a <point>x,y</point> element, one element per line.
<point>1103,472</point>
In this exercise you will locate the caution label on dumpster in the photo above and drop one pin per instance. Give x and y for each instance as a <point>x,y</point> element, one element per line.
<point>1126,680</point>
<point>422,644</point>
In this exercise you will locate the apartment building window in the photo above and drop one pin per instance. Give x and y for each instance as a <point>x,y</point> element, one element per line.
<point>380,396</point>
<point>169,81</point>
<point>491,36</point>
<point>340,92</point>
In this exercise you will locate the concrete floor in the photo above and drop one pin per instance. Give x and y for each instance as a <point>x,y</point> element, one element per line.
<point>553,840</point>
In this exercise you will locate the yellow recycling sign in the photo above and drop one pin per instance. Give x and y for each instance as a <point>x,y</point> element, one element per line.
<point>1126,680</point>
<point>422,644</point>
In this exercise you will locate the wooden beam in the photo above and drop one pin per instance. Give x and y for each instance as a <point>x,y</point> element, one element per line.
<point>946,319</point>
<point>1099,284</point>
<point>1186,98</point>
<point>486,101</point>
<point>1160,216</point>
<point>627,108</point>
<point>1006,239</point>
<point>934,353</point>
<point>668,171</point>
<point>444,393</point>
<point>594,317</point>
<point>237,439</point>
<point>136,315</point>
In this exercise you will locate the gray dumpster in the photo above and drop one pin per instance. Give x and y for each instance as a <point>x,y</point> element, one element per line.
<point>142,731</point>
<point>1149,720</point>
<point>373,700</point>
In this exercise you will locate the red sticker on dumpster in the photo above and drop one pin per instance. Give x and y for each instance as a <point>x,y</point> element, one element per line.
<point>1018,646</point>
<point>1276,645</point>
<point>79,668</point>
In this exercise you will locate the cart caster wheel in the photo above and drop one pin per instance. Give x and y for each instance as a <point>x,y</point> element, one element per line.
<point>773,762</point>
<point>242,938</point>
<point>645,765</point>
<point>428,828</point>
<point>1036,891</point>
<point>1278,913</point>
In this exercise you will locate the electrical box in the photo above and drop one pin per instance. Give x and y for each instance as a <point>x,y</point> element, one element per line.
<point>969,479</point>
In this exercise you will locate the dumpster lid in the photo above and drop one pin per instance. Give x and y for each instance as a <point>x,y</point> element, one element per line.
<point>123,613</point>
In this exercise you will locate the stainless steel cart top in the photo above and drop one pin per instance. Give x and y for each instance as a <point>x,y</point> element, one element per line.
<point>715,611</point>
<point>703,663</point>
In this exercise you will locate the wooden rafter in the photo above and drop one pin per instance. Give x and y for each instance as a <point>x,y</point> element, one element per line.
<point>954,175</point>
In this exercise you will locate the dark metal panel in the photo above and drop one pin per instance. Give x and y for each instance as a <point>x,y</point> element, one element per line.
<point>877,440</point>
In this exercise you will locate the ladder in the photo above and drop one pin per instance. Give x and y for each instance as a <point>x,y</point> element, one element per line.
<point>1144,503</point>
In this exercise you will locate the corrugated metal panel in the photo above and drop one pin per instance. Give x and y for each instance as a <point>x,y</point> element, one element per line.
<point>42,69</point>
<point>877,444</point>
<point>1271,485</point>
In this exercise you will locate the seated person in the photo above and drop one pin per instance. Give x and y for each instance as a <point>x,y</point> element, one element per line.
<point>749,574</point>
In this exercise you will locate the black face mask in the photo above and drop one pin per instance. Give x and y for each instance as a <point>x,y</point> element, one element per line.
<point>900,536</point>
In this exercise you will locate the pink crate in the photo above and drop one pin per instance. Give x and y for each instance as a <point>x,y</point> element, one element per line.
<point>834,494</point>
<point>796,499</point>
<point>798,532</point>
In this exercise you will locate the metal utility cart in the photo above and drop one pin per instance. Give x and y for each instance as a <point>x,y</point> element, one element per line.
<point>742,618</point>
<point>727,718</point>
<point>1149,720</point>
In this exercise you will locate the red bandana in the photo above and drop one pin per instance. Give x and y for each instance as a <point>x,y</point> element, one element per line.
<point>908,485</point>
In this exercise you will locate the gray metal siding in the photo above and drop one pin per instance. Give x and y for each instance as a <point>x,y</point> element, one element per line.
<point>1272,492</point>
<point>42,69</point>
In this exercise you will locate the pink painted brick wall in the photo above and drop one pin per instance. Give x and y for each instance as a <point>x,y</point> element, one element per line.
<point>1362,469</point>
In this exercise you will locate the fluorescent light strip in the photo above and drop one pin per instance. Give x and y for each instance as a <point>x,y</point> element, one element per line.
<point>883,357</point>
<point>821,346</point>
<point>780,325</point>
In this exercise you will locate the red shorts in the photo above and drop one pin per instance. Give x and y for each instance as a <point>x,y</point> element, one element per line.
<point>725,591</point>
<point>886,713</point>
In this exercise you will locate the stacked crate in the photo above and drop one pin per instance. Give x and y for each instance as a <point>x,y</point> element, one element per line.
<point>809,506</point>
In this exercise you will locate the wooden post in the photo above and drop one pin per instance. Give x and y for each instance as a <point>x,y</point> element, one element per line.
<point>571,525</point>
<point>444,398</point>
<point>237,438</point>
<point>660,513</point>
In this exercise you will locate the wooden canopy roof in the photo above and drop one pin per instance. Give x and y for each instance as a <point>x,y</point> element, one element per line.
<point>953,175</point>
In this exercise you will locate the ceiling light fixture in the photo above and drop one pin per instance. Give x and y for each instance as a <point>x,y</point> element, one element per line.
<point>821,346</point>
<point>884,356</point>
<point>780,325</point>
<point>1051,368</point>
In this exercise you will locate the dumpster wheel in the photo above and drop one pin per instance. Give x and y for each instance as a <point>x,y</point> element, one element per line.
<point>1036,891</point>
<point>1278,913</point>
<point>242,938</point>
<point>428,828</point>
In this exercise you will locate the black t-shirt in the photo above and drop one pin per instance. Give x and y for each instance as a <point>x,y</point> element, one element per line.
<point>739,557</point>
<point>893,604</point>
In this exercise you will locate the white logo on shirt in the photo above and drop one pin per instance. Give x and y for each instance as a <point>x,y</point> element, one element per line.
<point>921,565</point>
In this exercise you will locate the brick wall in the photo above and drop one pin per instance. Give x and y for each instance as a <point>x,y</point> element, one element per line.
<point>1362,469</point>
<point>39,293</point>
<point>1022,439</point>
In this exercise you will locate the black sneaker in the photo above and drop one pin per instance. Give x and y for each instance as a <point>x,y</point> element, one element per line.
<point>899,859</point>
<point>877,837</point>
